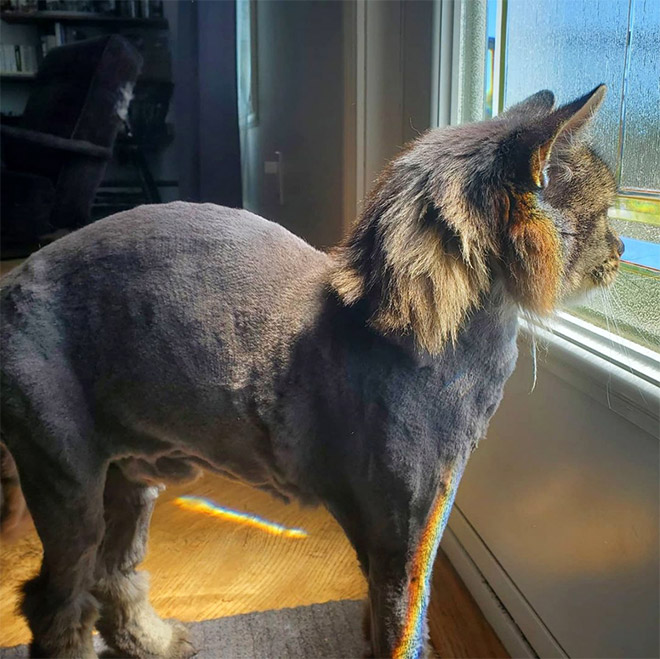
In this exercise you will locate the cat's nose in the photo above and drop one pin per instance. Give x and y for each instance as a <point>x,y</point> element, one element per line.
<point>620,247</point>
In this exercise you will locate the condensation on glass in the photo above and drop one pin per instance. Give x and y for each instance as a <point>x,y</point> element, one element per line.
<point>640,161</point>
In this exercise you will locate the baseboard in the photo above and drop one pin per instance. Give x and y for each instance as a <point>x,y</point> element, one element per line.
<point>514,621</point>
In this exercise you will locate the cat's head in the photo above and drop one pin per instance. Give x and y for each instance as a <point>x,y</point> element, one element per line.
<point>575,188</point>
<point>521,198</point>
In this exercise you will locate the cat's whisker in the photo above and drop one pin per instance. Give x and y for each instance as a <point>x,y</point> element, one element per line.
<point>624,309</point>
<point>618,303</point>
<point>534,364</point>
<point>609,329</point>
<point>609,297</point>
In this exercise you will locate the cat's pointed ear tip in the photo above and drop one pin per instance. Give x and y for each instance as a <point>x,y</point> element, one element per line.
<point>597,94</point>
<point>589,103</point>
<point>600,90</point>
<point>545,98</point>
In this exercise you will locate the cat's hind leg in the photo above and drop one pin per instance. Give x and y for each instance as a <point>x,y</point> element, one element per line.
<point>128,622</point>
<point>67,509</point>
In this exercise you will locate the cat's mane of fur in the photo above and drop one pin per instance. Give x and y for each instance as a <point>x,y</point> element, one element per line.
<point>448,214</point>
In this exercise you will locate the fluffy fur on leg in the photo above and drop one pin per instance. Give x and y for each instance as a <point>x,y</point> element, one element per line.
<point>14,515</point>
<point>129,624</point>
<point>62,630</point>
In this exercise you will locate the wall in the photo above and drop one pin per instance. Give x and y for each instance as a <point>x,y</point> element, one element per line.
<point>207,140</point>
<point>394,91</point>
<point>316,108</point>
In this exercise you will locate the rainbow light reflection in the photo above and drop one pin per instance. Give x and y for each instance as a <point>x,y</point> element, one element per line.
<point>410,643</point>
<point>202,505</point>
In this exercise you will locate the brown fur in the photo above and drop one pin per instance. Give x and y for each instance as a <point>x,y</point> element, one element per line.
<point>431,277</point>
<point>14,515</point>
<point>534,258</point>
<point>459,204</point>
<point>129,624</point>
<point>63,631</point>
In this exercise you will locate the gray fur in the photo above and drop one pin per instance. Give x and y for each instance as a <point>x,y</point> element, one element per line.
<point>174,336</point>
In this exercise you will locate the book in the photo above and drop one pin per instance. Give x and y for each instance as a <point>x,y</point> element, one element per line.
<point>28,58</point>
<point>60,37</point>
<point>9,58</point>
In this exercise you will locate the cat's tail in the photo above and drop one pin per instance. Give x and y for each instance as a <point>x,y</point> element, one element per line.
<point>14,514</point>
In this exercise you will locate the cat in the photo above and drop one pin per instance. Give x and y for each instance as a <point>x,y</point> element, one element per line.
<point>174,338</point>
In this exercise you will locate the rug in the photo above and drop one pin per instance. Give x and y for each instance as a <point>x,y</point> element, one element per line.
<point>332,630</point>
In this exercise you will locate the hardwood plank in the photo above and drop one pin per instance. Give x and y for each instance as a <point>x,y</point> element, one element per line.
<point>9,265</point>
<point>456,624</point>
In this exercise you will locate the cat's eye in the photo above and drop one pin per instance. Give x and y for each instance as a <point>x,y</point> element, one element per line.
<point>545,178</point>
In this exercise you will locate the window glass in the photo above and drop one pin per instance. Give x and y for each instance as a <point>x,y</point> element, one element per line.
<point>640,162</point>
<point>569,47</point>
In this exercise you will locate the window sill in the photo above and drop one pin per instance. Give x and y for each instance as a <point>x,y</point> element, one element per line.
<point>616,372</point>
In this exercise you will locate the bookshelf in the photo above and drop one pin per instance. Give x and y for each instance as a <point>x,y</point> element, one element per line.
<point>81,17</point>
<point>17,75</point>
<point>40,30</point>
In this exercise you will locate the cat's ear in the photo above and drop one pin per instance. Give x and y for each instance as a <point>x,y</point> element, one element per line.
<point>576,115</point>
<point>536,105</point>
<point>529,145</point>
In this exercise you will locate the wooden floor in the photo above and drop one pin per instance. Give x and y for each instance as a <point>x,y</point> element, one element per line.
<point>456,624</point>
<point>202,568</point>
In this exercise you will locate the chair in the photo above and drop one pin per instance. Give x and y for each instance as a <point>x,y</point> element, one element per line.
<point>55,158</point>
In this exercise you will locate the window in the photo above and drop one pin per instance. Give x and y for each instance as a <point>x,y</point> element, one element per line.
<point>246,62</point>
<point>570,47</point>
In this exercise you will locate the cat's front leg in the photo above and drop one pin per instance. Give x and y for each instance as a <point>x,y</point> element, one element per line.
<point>399,549</point>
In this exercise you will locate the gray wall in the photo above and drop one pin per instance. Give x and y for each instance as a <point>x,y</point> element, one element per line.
<point>314,107</point>
<point>207,139</point>
<point>394,92</point>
